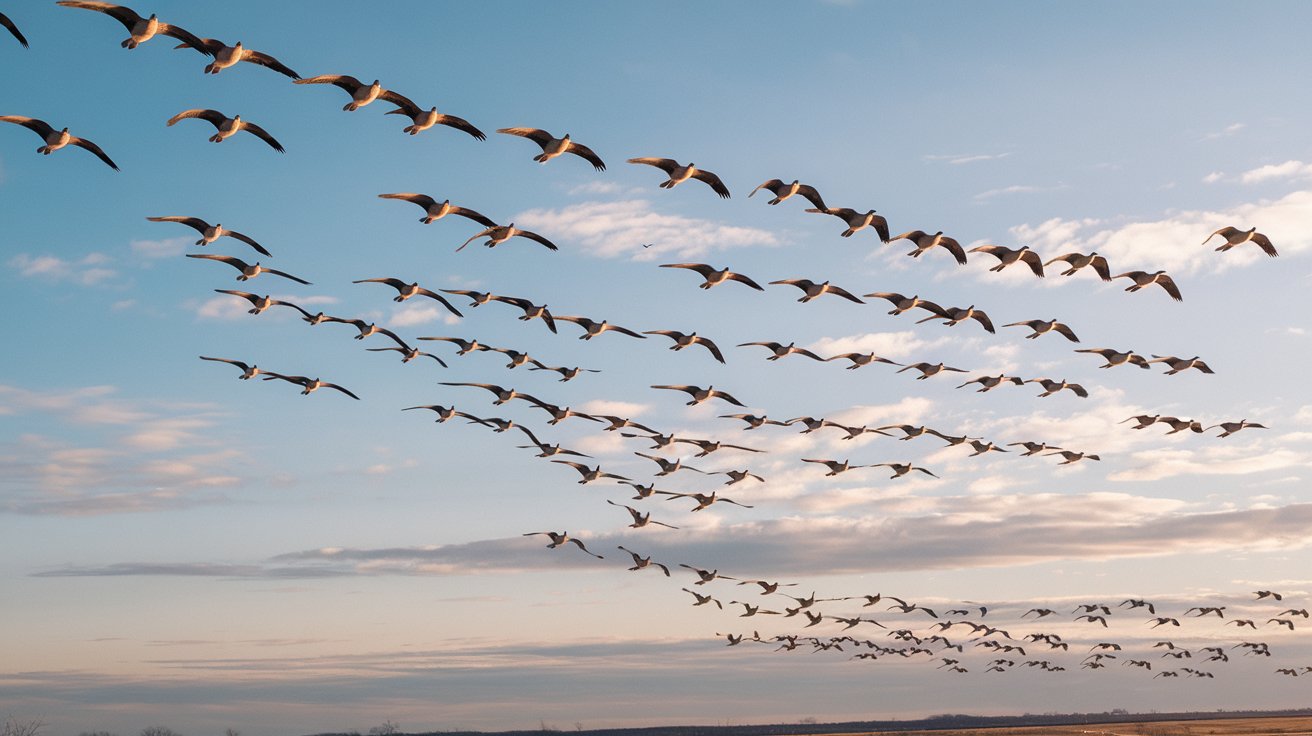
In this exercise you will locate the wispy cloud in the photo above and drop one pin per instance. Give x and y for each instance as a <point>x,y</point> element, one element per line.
<point>88,270</point>
<point>967,158</point>
<point>1018,189</point>
<point>1225,132</point>
<point>891,345</point>
<point>166,248</point>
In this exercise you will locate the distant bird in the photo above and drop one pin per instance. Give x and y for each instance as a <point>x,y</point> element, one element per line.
<point>503,394</point>
<point>925,242</point>
<point>1115,357</point>
<point>1234,236</point>
<point>782,351</point>
<point>929,369</point>
<point>714,277</point>
<point>56,139</point>
<point>709,446</point>
<point>444,413</point>
<point>228,127</point>
<point>954,316</point>
<point>248,371</point>
<point>408,354</point>
<point>13,29</point>
<point>369,329</point>
<point>592,328</point>
<point>706,576</point>
<point>700,394</point>
<point>812,290</point>
<point>910,431</point>
<point>567,374</point>
<point>1180,425</point>
<point>682,341</point>
<point>1051,387</point>
<point>1142,420</point>
<point>861,359</point>
<point>703,599</point>
<point>756,422</point>
<point>1135,603</point>
<point>1041,328</point>
<point>1229,428</point>
<point>308,385</point>
<point>639,519</point>
<point>1076,261</point>
<point>553,146</point>
<point>1178,365</point>
<point>1162,621</point>
<point>703,500</point>
<point>545,450</point>
<point>406,291</point>
<point>140,29</point>
<point>531,310</point>
<point>226,56</point>
<point>498,234</point>
<point>640,562</point>
<point>1143,278</point>
<point>901,469</point>
<point>857,221</point>
<point>668,467</point>
<point>434,210</point>
<point>905,304</point>
<point>259,303</point>
<point>559,538</point>
<point>783,191</point>
<point>590,474</point>
<point>1073,457</point>
<point>738,476</point>
<point>679,173</point>
<point>210,233</point>
<point>466,346</point>
<point>984,447</point>
<point>1006,256</point>
<point>361,94</point>
<point>421,120</point>
<point>988,383</point>
<point>1268,594</point>
<point>834,466</point>
<point>248,271</point>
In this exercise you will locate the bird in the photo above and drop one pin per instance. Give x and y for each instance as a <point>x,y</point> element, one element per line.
<point>248,371</point>
<point>592,328</point>
<point>210,233</point>
<point>682,341</point>
<point>361,94</point>
<point>406,291</point>
<point>706,576</point>
<point>861,359</point>
<point>714,277</point>
<point>639,562</point>
<point>904,304</point>
<point>559,538</point>
<point>1162,621</point>
<point>639,519</point>
<point>668,467</point>
<point>1180,425</point>
<point>983,447</point>
<point>768,587</point>
<point>517,358</point>
<point>553,146</point>
<point>503,394</point>
<point>812,290</point>
<point>737,476</point>
<point>930,369</point>
<point>56,139</point>
<point>783,191</point>
<point>1007,256</point>
<point>857,221</point>
<point>1115,357</point>
<point>259,303</point>
<point>498,234</point>
<point>1178,365</point>
<point>782,351</point>
<point>901,469</point>
<point>1051,387</point>
<point>531,310</point>
<point>368,329</point>
<point>1072,457</point>
<point>909,431</point>
<point>678,173</point>
<point>140,29</point>
<point>709,446</point>
<point>1229,428</point>
<point>421,120</point>
<point>567,374</point>
<point>434,210</point>
<point>1142,420</point>
<point>544,449</point>
<point>700,394</point>
<point>956,315</point>
<point>444,413</point>
<point>1234,236</point>
<point>1268,594</point>
<point>756,422</point>
<point>834,466</point>
<point>988,383</point>
<point>1143,278</point>
<point>248,271</point>
<point>1041,328</point>
<point>227,127</point>
<point>408,354</point>
<point>13,29</point>
<point>590,474</point>
<point>1076,261</point>
<point>466,346</point>
<point>703,599</point>
<point>308,385</point>
<point>226,56</point>
<point>925,242</point>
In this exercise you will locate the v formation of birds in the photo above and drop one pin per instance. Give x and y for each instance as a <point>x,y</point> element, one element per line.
<point>955,640</point>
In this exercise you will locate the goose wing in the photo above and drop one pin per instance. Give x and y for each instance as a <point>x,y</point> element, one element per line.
<point>244,367</point>
<point>178,32</point>
<point>263,135</point>
<point>442,300</point>
<point>538,136</point>
<point>813,196</point>
<point>1065,331</point>
<point>486,231</point>
<point>840,291</point>
<point>983,319</point>
<point>87,145</point>
<point>123,15</point>
<point>744,280</point>
<point>535,237</point>
<point>286,275</point>
<point>713,181</point>
<point>344,81</point>
<point>248,241</point>
<point>1264,243</point>
<point>452,121</point>
<point>40,127</point>
<point>13,29</point>
<point>397,284</point>
<point>711,346</point>
<point>1033,260</point>
<point>265,60</point>
<point>954,248</point>
<point>578,149</point>
<point>668,165</point>
<point>472,215</point>
<point>423,200</point>
<point>207,46</point>
<point>842,213</point>
<point>776,186</point>
<point>340,388</point>
<point>252,298</point>
<point>236,263</point>
<point>195,223</point>
<point>404,104</point>
<point>213,116</point>
<point>1166,282</point>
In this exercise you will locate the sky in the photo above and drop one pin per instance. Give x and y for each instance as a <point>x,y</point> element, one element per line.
<point>184,549</point>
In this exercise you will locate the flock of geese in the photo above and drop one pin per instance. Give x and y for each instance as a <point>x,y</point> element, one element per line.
<point>957,639</point>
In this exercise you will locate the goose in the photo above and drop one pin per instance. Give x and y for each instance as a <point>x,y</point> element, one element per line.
<point>714,277</point>
<point>782,351</point>
<point>1178,365</point>
<point>406,291</point>
<point>737,476</point>
<point>1115,357</point>
<point>56,139</point>
<point>1229,428</point>
<point>1051,387</point>
<point>857,221</point>
<point>210,233</point>
<point>545,450</point>
<point>956,315</point>
<point>768,587</point>
<point>247,371</point>
<point>640,562</point>
<point>1040,611</point>
<point>700,394</point>
<point>703,599</point>
<point>567,374</point>
<point>750,610</point>
<point>592,328</point>
<point>517,358</point>
<point>434,210</point>
<point>227,127</point>
<point>899,470</point>
<point>559,414</point>
<point>904,304</point>
<point>678,173</point>
<point>755,422</point>
<point>313,319</point>
<point>361,94</point>
<point>248,271</point>
<point>1006,256</point>
<point>531,310</point>
<point>477,298</point>
<point>988,383</point>
<point>1072,457</point>
<point>706,576</point>
<point>590,474</point>
<point>140,29</point>
<point>1180,425</point>
<point>408,354</point>
<point>225,56</point>
<point>1219,611</point>
<point>497,424</point>
<point>646,491</point>
<point>1162,621</point>
<point>910,431</point>
<point>1033,448</point>
<point>1268,594</point>
<point>861,359</point>
<point>308,385</point>
<point>929,369</point>
<point>984,447</point>
<point>1092,618</point>
<point>553,146</point>
<point>559,538</point>
<point>682,341</point>
<point>812,290</point>
<point>783,191</point>
<point>1076,261</point>
<point>1040,328</point>
<point>905,607</point>
<point>1295,612</point>
<point>639,519</point>
<point>13,29</point>
<point>466,346</point>
<point>443,413</point>
<point>1234,236</point>
<point>709,446</point>
<point>621,423</point>
<point>1134,603</point>
<point>259,303</point>
<point>498,234</point>
<point>925,242</point>
<point>1143,420</point>
<point>369,329</point>
<point>503,394</point>
<point>834,466</point>
<point>421,120</point>
<point>1143,278</point>
<point>853,432</point>
<point>667,467</point>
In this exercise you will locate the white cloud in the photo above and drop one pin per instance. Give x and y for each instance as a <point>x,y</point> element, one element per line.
<point>627,409</point>
<point>411,315</point>
<point>1213,177</point>
<point>224,307</point>
<point>167,248</point>
<point>1225,132</point>
<point>891,345</point>
<point>1288,170</point>
<point>88,270</point>
<point>1017,189</point>
<point>1230,460</point>
<point>967,158</point>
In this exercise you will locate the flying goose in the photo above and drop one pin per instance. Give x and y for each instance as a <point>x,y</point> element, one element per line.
<point>498,234</point>
<point>682,341</point>
<point>544,449</point>
<point>421,120</point>
<point>956,315</point>
<point>783,191</point>
<point>904,304</point>
<point>703,599</point>
<point>714,277</point>
<point>834,466</point>
<point>308,385</point>
<point>368,329</point>
<point>559,414</point>
<point>811,423</point>
<point>1268,594</point>
<point>1143,278</point>
<point>13,29</point>
<point>909,431</point>
<point>737,476</point>
<point>1033,448</point>
<point>700,394</point>
<point>1115,358</point>
<point>1142,420</point>
<point>553,146</point>
<point>406,291</point>
<point>434,210</point>
<point>857,221</point>
<point>1072,457</point>
<point>679,173</point>
<point>783,351</point>
<point>1134,603</point>
<point>755,422</point>
<point>1234,236</point>
<point>210,233</point>
<point>225,56</point>
<point>408,354</point>
<point>228,127</point>
<point>1076,261</point>
<point>259,303</point>
<point>248,271</point>
<point>622,422</point>
<point>531,310</point>
<point>361,94</point>
<point>1051,387</point>
<point>567,374</point>
<point>1041,328</point>
<point>639,562</point>
<point>991,382</point>
<point>503,394</point>
<point>140,29</point>
<point>247,371</point>
<point>930,369</point>
<point>925,242</point>
<point>1180,425</point>
<point>640,519</point>
<point>853,432</point>
<point>517,358</point>
<point>559,538</point>
<point>1181,364</point>
<point>1007,256</point>
<point>861,359</point>
<point>706,576</point>
<point>1229,428</point>
<point>899,470</point>
<point>466,346</point>
<point>812,290</point>
<point>709,446</point>
<point>592,328</point>
<point>590,474</point>
<point>56,139</point>
<point>984,447</point>
<point>669,467</point>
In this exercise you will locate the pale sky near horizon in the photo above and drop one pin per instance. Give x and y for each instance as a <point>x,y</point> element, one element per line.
<point>184,549</point>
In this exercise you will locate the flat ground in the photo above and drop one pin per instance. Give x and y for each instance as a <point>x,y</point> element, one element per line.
<point>1292,726</point>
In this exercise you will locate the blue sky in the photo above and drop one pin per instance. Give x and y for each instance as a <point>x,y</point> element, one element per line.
<point>184,548</point>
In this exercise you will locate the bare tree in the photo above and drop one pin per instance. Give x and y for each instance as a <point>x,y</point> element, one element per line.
<point>158,731</point>
<point>14,727</point>
<point>389,728</point>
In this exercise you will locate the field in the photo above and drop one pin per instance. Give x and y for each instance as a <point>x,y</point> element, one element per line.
<point>1286,726</point>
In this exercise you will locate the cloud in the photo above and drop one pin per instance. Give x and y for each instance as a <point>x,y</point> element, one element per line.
<point>88,270</point>
<point>1213,177</point>
<point>615,229</point>
<point>627,409</point>
<point>411,315</point>
<point>1231,460</point>
<point>884,344</point>
<point>967,158</point>
<point>167,248</point>
<point>1288,170</point>
<point>1225,132</point>
<point>1017,189</point>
